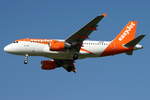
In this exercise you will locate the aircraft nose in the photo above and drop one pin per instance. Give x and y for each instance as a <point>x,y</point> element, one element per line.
<point>7,49</point>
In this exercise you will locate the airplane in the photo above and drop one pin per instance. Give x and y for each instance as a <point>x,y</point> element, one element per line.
<point>64,53</point>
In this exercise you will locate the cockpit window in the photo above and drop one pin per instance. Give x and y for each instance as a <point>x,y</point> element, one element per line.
<point>15,42</point>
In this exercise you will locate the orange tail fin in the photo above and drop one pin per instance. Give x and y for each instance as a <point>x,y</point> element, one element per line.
<point>127,34</point>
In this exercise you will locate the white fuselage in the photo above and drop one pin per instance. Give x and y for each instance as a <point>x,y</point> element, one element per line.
<point>34,47</point>
<point>88,49</point>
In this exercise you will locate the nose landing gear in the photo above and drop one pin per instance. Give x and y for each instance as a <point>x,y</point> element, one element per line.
<point>26,59</point>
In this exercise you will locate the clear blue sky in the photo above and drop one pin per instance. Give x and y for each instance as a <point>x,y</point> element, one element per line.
<point>120,77</point>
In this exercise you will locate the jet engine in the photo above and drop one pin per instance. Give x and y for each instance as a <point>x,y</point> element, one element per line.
<point>56,45</point>
<point>48,65</point>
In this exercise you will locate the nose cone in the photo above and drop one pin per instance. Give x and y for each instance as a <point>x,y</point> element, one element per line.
<point>8,49</point>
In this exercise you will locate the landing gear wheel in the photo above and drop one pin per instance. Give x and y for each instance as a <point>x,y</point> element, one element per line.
<point>25,62</point>
<point>71,69</point>
<point>26,59</point>
<point>75,56</point>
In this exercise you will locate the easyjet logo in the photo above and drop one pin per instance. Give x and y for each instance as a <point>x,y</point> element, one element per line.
<point>127,31</point>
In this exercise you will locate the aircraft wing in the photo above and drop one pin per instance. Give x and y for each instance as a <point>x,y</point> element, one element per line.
<point>66,64</point>
<point>77,38</point>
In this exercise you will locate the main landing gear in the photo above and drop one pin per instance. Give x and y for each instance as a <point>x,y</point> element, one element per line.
<point>75,56</point>
<point>26,59</point>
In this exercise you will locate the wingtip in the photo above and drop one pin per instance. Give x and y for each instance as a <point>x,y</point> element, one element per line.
<point>143,35</point>
<point>104,14</point>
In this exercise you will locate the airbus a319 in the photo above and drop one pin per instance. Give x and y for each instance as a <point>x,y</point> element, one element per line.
<point>63,53</point>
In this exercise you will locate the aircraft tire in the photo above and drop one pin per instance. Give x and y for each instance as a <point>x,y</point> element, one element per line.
<point>25,62</point>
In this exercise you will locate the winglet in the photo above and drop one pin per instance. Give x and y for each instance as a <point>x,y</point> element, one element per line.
<point>104,14</point>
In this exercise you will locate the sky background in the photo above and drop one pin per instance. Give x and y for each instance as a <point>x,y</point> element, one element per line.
<point>119,77</point>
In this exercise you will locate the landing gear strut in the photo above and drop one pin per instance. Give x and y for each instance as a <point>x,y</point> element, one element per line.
<point>26,59</point>
<point>75,56</point>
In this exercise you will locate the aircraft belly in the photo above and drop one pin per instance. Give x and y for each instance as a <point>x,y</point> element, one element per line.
<point>85,52</point>
<point>56,54</point>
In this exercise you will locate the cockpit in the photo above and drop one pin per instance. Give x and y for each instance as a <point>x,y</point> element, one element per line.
<point>15,42</point>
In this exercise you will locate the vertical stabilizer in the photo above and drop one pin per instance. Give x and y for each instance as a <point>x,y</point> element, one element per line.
<point>127,34</point>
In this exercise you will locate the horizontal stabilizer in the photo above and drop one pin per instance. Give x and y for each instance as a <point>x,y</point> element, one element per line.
<point>132,43</point>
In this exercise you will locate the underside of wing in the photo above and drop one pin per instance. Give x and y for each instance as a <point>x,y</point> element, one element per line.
<point>68,65</point>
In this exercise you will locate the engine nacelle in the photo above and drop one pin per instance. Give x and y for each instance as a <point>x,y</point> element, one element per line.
<point>48,65</point>
<point>58,45</point>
